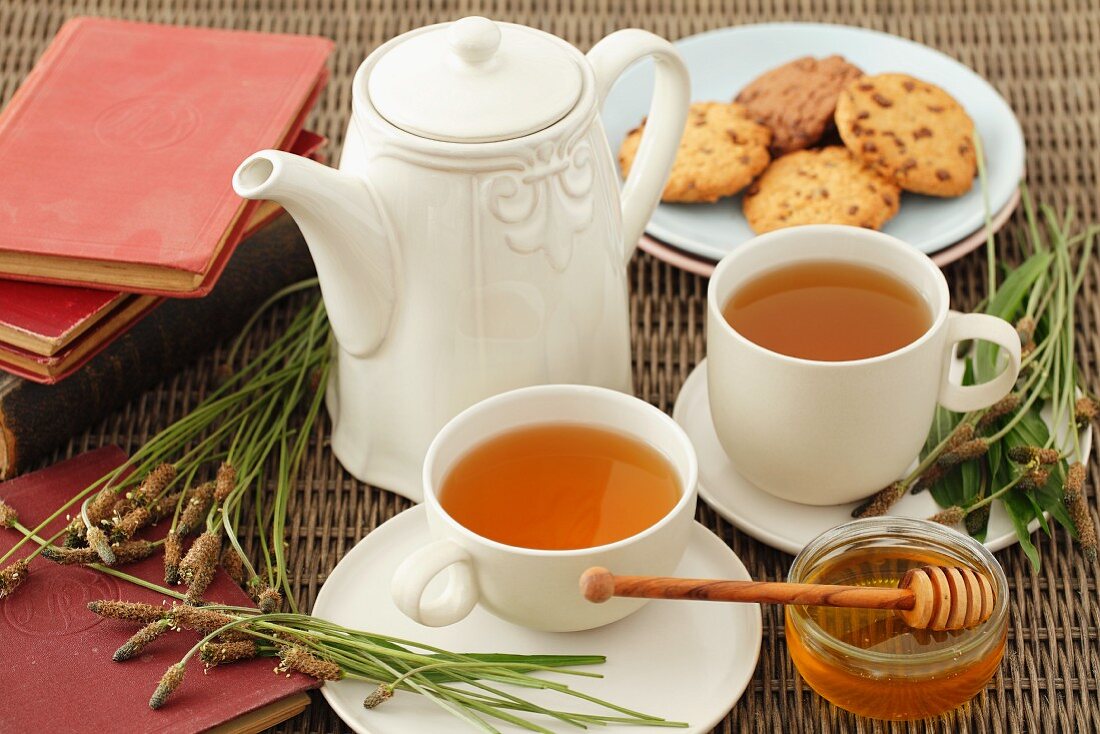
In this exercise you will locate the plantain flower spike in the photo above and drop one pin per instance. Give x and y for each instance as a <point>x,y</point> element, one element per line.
<point>127,610</point>
<point>378,696</point>
<point>141,639</point>
<point>99,507</point>
<point>12,577</point>
<point>219,653</point>
<point>1078,506</point>
<point>1085,411</point>
<point>1033,454</point>
<point>962,433</point>
<point>965,451</point>
<point>173,554</point>
<point>1003,407</point>
<point>880,502</point>
<point>298,659</point>
<point>133,521</point>
<point>225,483</point>
<point>1025,327</point>
<point>70,556</point>
<point>191,519</point>
<point>1037,478</point>
<point>949,516</point>
<point>153,485</point>
<point>97,540</point>
<point>269,600</point>
<point>204,552</point>
<point>169,683</point>
<point>926,480</point>
<point>8,516</point>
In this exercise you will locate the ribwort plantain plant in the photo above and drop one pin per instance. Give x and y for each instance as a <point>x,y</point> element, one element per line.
<point>1006,453</point>
<point>256,428</point>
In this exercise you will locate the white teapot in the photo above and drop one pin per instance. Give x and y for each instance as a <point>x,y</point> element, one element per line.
<point>474,238</point>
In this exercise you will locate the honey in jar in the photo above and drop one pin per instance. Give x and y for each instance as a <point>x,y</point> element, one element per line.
<point>869,661</point>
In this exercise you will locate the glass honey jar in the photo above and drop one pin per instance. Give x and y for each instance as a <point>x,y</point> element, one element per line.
<point>869,661</point>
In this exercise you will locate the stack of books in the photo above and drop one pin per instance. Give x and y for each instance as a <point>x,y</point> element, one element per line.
<point>116,159</point>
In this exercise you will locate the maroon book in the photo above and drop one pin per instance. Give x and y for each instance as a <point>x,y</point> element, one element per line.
<point>58,673</point>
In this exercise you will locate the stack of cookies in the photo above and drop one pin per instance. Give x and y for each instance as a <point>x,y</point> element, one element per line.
<point>816,141</point>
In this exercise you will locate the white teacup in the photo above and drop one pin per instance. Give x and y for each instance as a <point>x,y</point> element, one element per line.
<point>540,588</point>
<point>824,433</point>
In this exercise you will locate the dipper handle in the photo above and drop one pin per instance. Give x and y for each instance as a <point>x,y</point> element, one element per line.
<point>931,597</point>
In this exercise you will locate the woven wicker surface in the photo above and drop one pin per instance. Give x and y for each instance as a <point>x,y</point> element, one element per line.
<point>1043,56</point>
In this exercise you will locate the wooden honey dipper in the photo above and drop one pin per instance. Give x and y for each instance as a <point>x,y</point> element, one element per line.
<point>935,598</point>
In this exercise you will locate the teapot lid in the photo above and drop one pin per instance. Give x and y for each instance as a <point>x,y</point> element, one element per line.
<point>475,81</point>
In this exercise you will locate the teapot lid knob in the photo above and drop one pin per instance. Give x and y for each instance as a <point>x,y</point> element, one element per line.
<point>474,81</point>
<point>474,39</point>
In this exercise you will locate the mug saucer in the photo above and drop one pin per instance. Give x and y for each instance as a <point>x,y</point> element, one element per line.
<point>787,525</point>
<point>679,660</point>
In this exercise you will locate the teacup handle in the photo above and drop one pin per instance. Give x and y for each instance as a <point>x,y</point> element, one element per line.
<point>415,573</point>
<point>963,327</point>
<point>664,125</point>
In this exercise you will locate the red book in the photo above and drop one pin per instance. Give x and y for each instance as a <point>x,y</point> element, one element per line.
<point>49,331</point>
<point>117,152</point>
<point>58,673</point>
<point>110,324</point>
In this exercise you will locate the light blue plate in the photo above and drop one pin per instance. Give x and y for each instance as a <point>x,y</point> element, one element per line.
<point>721,62</point>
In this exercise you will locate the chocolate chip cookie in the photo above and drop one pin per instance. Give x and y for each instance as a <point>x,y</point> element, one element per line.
<point>821,186</point>
<point>797,100</point>
<point>911,131</point>
<point>721,152</point>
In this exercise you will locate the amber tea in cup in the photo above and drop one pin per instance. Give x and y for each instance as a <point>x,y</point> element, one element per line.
<point>828,350</point>
<point>560,486</point>
<point>828,310</point>
<point>527,489</point>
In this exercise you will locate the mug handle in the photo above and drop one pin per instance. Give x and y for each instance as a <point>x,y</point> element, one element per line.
<point>664,126</point>
<point>415,573</point>
<point>963,327</point>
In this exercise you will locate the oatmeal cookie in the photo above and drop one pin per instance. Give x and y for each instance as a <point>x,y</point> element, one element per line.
<point>721,152</point>
<point>821,186</point>
<point>910,130</point>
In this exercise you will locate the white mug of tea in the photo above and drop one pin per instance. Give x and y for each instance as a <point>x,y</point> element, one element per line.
<point>526,490</point>
<point>828,349</point>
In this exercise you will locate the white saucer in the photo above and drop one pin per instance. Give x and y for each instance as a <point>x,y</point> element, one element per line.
<point>684,661</point>
<point>786,525</point>
<point>723,61</point>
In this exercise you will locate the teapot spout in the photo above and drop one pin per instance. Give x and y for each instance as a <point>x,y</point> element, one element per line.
<point>348,236</point>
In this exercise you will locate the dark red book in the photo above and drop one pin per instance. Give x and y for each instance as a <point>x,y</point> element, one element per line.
<point>58,673</point>
<point>117,152</point>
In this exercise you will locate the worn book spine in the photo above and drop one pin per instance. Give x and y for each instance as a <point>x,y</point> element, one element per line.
<point>37,419</point>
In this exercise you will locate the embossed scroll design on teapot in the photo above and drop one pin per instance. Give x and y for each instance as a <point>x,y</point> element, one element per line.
<point>546,203</point>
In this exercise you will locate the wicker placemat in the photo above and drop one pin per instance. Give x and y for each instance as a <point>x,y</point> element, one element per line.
<point>1043,56</point>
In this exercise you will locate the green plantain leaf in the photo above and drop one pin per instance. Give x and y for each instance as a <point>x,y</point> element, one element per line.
<point>993,460</point>
<point>1049,498</point>
<point>970,474</point>
<point>1030,431</point>
<point>1011,293</point>
<point>1006,305</point>
<point>957,485</point>
<point>1021,512</point>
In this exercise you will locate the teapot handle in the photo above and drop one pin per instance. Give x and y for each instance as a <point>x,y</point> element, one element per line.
<point>664,126</point>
